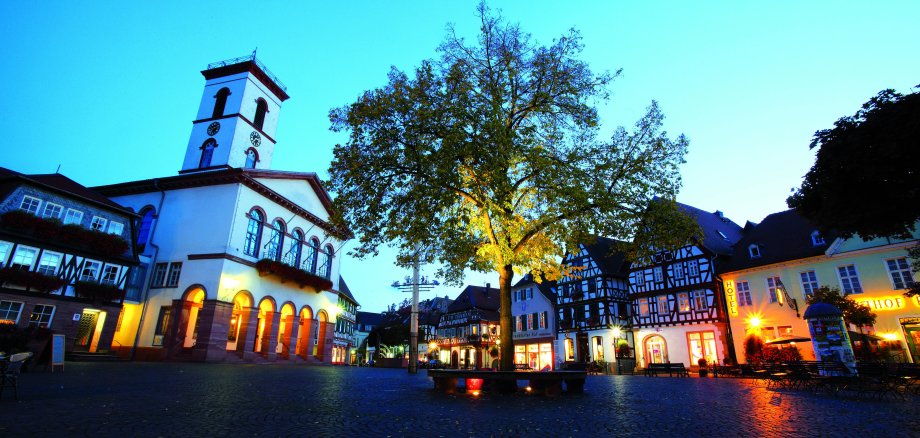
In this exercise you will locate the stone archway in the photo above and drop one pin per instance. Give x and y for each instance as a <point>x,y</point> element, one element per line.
<point>304,333</point>
<point>286,329</point>
<point>192,302</point>
<point>655,349</point>
<point>319,345</point>
<point>239,321</point>
<point>264,327</point>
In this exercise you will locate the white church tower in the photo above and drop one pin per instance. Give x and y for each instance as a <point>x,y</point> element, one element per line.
<point>236,121</point>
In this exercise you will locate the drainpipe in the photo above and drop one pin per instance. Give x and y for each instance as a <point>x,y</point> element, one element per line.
<point>156,253</point>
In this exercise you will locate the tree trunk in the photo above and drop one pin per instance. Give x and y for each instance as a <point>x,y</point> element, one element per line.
<point>505,275</point>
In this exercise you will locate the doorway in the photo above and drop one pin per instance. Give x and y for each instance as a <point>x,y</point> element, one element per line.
<point>911,327</point>
<point>584,353</point>
<point>89,330</point>
<point>656,350</point>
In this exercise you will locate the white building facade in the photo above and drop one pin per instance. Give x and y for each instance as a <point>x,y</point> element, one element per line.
<point>241,260</point>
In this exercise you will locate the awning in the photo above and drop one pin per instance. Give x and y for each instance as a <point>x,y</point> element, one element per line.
<point>788,339</point>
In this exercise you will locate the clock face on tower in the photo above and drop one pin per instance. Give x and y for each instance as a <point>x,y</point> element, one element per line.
<point>213,128</point>
<point>255,139</point>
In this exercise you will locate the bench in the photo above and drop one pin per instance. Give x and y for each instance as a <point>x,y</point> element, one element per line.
<point>678,369</point>
<point>547,382</point>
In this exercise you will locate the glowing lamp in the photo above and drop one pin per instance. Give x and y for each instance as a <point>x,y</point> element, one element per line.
<point>754,322</point>
<point>890,337</point>
<point>617,332</point>
<point>474,385</point>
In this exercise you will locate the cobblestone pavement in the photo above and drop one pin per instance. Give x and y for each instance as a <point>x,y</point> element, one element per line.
<point>171,399</point>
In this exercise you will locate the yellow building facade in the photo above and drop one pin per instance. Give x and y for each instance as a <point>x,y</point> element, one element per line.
<point>875,273</point>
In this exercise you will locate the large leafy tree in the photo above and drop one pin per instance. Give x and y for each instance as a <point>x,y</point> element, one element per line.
<point>489,158</point>
<point>866,179</point>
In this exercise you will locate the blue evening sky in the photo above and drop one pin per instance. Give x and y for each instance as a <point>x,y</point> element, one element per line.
<point>108,90</point>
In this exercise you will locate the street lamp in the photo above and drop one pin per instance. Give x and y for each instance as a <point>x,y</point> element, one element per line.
<point>414,284</point>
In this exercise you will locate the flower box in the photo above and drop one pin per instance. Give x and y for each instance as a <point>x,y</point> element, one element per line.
<point>31,280</point>
<point>289,273</point>
<point>98,291</point>
<point>73,235</point>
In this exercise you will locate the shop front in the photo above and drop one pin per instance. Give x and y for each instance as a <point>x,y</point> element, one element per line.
<point>537,354</point>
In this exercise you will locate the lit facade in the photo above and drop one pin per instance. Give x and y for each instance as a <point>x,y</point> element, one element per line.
<point>343,351</point>
<point>470,329</point>
<point>592,306</point>
<point>66,259</point>
<point>533,319</point>
<point>240,260</point>
<point>789,251</point>
<point>678,312</point>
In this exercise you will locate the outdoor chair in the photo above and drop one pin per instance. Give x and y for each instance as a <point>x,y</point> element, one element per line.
<point>11,370</point>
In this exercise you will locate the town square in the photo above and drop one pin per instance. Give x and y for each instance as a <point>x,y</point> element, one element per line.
<point>483,218</point>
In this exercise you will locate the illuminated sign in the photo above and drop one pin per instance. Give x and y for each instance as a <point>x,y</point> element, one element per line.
<point>730,298</point>
<point>883,303</point>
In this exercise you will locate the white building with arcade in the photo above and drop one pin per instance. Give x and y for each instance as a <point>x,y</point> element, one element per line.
<point>240,260</point>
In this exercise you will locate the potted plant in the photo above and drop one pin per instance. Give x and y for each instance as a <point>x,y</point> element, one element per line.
<point>626,363</point>
<point>704,367</point>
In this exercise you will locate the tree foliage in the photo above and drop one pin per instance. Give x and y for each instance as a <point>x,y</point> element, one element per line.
<point>490,158</point>
<point>853,312</point>
<point>866,179</point>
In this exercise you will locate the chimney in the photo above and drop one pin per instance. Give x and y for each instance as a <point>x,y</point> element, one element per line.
<point>720,214</point>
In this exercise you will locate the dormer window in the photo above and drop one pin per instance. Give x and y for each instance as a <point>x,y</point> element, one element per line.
<point>816,238</point>
<point>754,251</point>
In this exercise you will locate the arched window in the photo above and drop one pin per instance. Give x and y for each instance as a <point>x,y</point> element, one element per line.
<point>143,233</point>
<point>276,241</point>
<point>220,102</point>
<point>252,157</point>
<point>261,109</point>
<point>312,255</point>
<point>253,233</point>
<point>296,247</point>
<point>327,272</point>
<point>207,152</point>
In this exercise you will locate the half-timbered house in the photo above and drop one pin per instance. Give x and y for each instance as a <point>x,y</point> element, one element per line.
<point>678,310</point>
<point>66,259</point>
<point>470,328</point>
<point>592,304</point>
<point>344,334</point>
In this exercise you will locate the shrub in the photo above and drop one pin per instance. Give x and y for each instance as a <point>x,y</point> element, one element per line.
<point>787,354</point>
<point>753,349</point>
<point>98,291</point>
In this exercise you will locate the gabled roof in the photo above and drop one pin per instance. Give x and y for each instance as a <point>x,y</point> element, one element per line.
<point>246,177</point>
<point>345,291</point>
<point>780,237</point>
<point>547,288</point>
<point>608,259</point>
<point>719,232</point>
<point>483,298</point>
<point>368,318</point>
<point>56,182</point>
